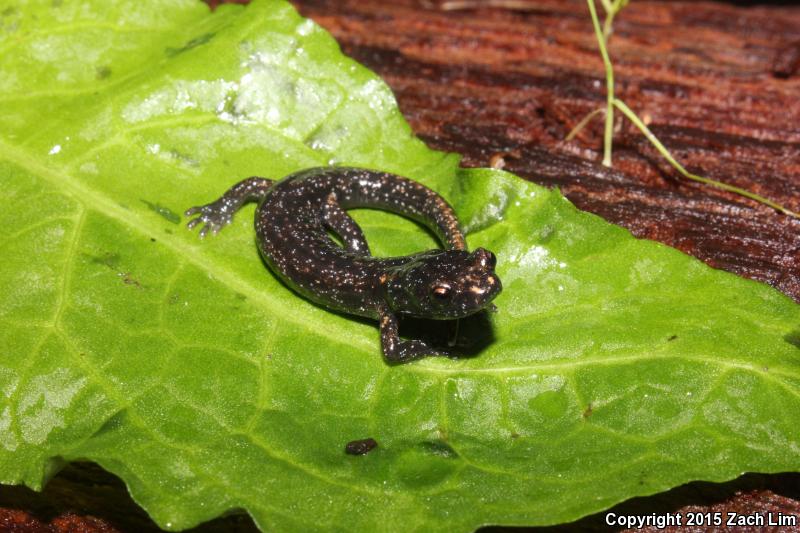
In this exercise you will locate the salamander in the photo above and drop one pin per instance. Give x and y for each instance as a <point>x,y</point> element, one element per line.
<point>292,221</point>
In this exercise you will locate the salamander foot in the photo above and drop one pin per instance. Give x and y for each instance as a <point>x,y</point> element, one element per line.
<point>409,350</point>
<point>219,213</point>
<point>215,216</point>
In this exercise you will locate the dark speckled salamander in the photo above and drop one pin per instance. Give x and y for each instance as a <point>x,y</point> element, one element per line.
<point>291,223</point>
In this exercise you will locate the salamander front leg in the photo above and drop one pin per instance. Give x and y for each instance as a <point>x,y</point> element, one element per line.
<point>395,349</point>
<point>220,212</point>
<point>339,222</point>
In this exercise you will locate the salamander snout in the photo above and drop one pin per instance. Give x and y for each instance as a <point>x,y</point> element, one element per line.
<point>446,284</point>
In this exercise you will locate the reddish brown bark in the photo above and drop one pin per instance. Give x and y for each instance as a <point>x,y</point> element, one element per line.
<point>15,521</point>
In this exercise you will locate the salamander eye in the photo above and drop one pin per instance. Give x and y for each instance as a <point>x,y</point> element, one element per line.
<point>441,292</point>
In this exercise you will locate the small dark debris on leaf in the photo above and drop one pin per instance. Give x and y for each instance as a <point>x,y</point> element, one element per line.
<point>112,261</point>
<point>671,338</point>
<point>164,212</point>
<point>360,447</point>
<point>127,279</point>
<point>194,43</point>
<point>102,72</point>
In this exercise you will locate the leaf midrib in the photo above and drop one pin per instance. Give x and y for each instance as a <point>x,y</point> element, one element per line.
<point>104,205</point>
<point>580,362</point>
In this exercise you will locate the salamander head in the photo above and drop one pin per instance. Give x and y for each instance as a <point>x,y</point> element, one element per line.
<point>443,284</point>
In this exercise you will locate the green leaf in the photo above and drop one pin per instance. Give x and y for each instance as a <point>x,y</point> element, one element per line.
<point>614,367</point>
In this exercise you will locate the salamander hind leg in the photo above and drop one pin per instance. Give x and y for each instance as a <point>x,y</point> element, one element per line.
<point>220,212</point>
<point>339,222</point>
<point>397,350</point>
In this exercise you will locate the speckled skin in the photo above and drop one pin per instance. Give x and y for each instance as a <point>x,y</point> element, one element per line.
<point>292,220</point>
